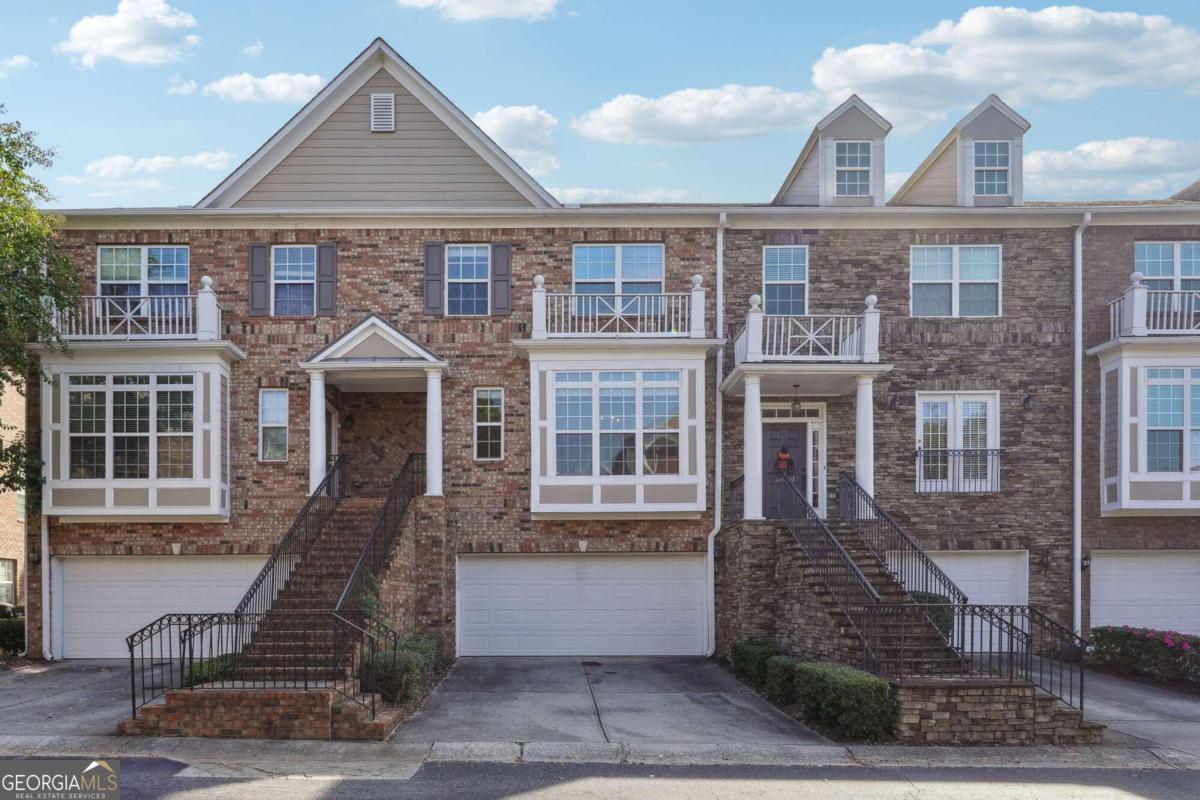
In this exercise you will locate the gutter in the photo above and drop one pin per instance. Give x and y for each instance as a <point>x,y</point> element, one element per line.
<point>1077,435</point>
<point>710,558</point>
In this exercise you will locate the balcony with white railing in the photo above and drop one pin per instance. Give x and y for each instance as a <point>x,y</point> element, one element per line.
<point>625,316</point>
<point>809,337</point>
<point>143,318</point>
<point>1141,311</point>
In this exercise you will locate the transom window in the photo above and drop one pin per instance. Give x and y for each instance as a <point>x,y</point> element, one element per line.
<point>1172,419</point>
<point>293,280</point>
<point>150,432</point>
<point>991,168</point>
<point>617,423</point>
<point>489,424</point>
<point>785,279</point>
<point>143,271</point>
<point>956,281</point>
<point>957,436</point>
<point>468,277</point>
<point>610,271</point>
<point>852,164</point>
<point>1168,266</point>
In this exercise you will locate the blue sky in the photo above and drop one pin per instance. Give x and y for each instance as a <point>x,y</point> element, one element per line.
<point>152,102</point>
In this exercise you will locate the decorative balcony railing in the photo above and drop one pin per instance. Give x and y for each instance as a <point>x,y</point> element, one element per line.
<point>837,337</point>
<point>1143,312</point>
<point>667,314</point>
<point>108,318</point>
<point>971,471</point>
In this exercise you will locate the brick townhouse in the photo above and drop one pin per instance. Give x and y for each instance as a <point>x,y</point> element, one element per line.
<point>12,511</point>
<point>614,416</point>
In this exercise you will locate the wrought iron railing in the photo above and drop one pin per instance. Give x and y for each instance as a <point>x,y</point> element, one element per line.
<point>733,505</point>
<point>294,545</point>
<point>138,317</point>
<point>378,549</point>
<point>969,471</point>
<point>994,642</point>
<point>895,548</point>
<point>580,315</point>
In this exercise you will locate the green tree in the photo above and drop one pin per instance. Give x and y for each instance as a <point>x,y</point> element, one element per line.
<point>35,277</point>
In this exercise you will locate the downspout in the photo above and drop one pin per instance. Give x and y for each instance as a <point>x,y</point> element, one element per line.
<point>47,649</point>
<point>718,410</point>
<point>1077,468</point>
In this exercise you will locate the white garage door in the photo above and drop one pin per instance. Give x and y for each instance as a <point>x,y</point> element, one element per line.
<point>988,577</point>
<point>580,605</point>
<point>1156,589</point>
<point>99,601</point>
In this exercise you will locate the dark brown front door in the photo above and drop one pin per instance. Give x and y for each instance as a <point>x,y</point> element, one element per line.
<point>776,437</point>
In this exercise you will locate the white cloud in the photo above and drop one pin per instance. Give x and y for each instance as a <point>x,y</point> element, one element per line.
<point>181,87</point>
<point>525,132</point>
<point>1057,53</point>
<point>141,32</point>
<point>13,63</point>
<point>699,115</point>
<point>578,194</point>
<point>122,166</point>
<point>1136,166</point>
<point>893,181</point>
<point>279,87</point>
<point>253,50</point>
<point>475,10</point>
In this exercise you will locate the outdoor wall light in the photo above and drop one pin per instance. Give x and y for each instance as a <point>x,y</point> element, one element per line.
<point>894,402</point>
<point>1028,402</point>
<point>176,548</point>
<point>1086,562</point>
<point>797,406</point>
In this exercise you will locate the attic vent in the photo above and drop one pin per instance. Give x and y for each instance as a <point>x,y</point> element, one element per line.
<point>383,112</point>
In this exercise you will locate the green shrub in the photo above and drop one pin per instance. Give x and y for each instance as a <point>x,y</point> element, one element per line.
<point>749,658</point>
<point>1160,655</point>
<point>849,703</point>
<point>210,670</point>
<point>12,635</point>
<point>402,673</point>
<point>780,683</point>
<point>943,618</point>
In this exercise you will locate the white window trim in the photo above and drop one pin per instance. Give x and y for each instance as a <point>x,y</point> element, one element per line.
<point>1190,385</point>
<point>804,283</point>
<point>1177,277</point>
<point>448,280</point>
<point>955,282</point>
<point>13,592</point>
<point>618,276</point>
<point>869,169</point>
<point>1008,171</point>
<point>476,424</point>
<point>954,423</point>
<point>271,267</point>
<point>144,281</point>
<point>286,426</point>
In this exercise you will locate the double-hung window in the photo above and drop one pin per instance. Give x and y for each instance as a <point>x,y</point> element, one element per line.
<point>1171,272</point>
<point>617,423</point>
<point>272,424</point>
<point>958,439</point>
<point>615,275</point>
<point>293,280</point>
<point>489,424</point>
<point>1172,419</point>
<point>852,169</point>
<point>956,281</point>
<point>992,169</point>
<point>468,277</point>
<point>8,581</point>
<point>157,271</point>
<point>785,279</point>
<point>150,432</point>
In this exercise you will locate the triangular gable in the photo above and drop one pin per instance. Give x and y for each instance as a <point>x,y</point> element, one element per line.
<point>326,157</point>
<point>1190,192</point>
<point>858,121</point>
<point>373,339</point>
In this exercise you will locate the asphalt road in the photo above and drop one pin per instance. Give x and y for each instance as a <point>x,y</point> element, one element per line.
<point>158,778</point>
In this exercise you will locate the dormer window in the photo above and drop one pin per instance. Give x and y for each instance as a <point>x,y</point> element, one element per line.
<point>852,161</point>
<point>991,169</point>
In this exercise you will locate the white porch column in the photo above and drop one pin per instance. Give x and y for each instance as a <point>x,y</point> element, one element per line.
<point>317,466</point>
<point>752,484</point>
<point>433,432</point>
<point>864,436</point>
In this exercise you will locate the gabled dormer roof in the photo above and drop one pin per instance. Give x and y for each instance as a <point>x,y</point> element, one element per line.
<point>856,118</point>
<point>373,341</point>
<point>302,147</point>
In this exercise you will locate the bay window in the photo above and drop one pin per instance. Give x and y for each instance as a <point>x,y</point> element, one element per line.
<point>1172,419</point>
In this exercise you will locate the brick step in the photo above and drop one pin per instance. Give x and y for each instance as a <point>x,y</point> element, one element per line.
<point>268,675</point>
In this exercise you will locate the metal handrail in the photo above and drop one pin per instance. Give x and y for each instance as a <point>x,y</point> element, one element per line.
<point>733,509</point>
<point>291,549</point>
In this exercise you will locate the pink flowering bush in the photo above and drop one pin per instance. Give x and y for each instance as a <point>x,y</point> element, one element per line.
<point>1164,655</point>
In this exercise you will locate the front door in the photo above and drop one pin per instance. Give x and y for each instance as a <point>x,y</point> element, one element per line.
<point>780,439</point>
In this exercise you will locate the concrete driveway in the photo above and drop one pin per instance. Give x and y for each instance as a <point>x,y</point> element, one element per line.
<point>680,700</point>
<point>65,698</point>
<point>1138,715</point>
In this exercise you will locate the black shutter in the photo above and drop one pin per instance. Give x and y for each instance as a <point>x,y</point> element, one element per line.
<point>435,267</point>
<point>326,280</point>
<point>502,279</point>
<point>260,280</point>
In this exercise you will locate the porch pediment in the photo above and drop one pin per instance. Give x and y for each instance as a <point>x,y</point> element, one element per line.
<point>375,356</point>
